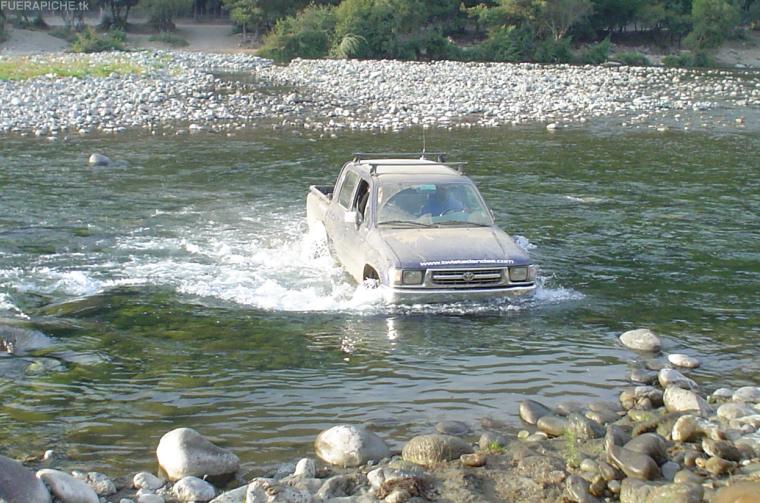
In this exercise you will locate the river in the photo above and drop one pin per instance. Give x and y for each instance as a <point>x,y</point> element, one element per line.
<point>179,287</point>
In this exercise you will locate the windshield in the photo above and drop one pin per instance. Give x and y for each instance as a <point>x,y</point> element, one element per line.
<point>430,204</point>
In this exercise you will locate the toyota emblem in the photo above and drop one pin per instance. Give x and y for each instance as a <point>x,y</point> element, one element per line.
<point>468,276</point>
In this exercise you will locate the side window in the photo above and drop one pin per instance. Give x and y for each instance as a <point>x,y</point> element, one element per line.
<point>347,189</point>
<point>362,198</point>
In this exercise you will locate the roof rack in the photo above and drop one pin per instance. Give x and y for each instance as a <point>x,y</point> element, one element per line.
<point>439,156</point>
<point>456,165</point>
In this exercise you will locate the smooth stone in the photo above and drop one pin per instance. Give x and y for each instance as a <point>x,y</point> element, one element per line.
<point>689,427</point>
<point>669,470</point>
<point>18,484</point>
<point>685,475</point>
<point>684,361</point>
<point>100,483</point>
<point>633,464</point>
<point>554,426</point>
<point>577,490</point>
<point>733,410</point>
<point>98,160</point>
<point>475,460</point>
<point>66,488</point>
<point>584,428</point>
<point>751,442</point>
<point>615,435</point>
<point>682,400</point>
<point>145,480</point>
<point>184,452</point>
<point>531,411</point>
<point>150,498</point>
<point>387,475</point>
<point>193,489</point>
<point>671,377</point>
<point>651,444</point>
<point>603,417</point>
<point>455,428</point>
<point>641,340</point>
<point>721,394</point>
<point>234,496</point>
<point>677,493</point>
<point>609,472</point>
<point>589,465</point>
<point>433,449</point>
<point>739,492</point>
<point>305,467</point>
<point>642,376</point>
<point>568,407</point>
<point>267,491</point>
<point>648,392</point>
<point>493,441</point>
<point>350,446</point>
<point>635,491</point>
<point>717,466</point>
<point>721,448</point>
<point>747,394</point>
<point>614,486</point>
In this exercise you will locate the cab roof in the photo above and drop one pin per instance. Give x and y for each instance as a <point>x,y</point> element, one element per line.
<point>380,167</point>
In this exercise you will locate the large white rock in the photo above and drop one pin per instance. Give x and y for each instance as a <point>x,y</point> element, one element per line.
<point>19,485</point>
<point>685,361</point>
<point>66,488</point>
<point>747,394</point>
<point>349,446</point>
<point>733,410</point>
<point>235,496</point>
<point>193,489</point>
<point>145,480</point>
<point>641,339</point>
<point>670,377</point>
<point>681,400</point>
<point>184,452</point>
<point>100,483</point>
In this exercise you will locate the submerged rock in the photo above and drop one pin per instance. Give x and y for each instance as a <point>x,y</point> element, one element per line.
<point>349,446</point>
<point>183,452</point>
<point>432,449</point>
<point>670,377</point>
<point>98,160</point>
<point>19,485</point>
<point>641,340</point>
<point>20,341</point>
<point>456,428</point>
<point>66,488</point>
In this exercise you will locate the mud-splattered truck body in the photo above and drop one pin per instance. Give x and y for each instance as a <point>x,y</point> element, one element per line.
<point>420,229</point>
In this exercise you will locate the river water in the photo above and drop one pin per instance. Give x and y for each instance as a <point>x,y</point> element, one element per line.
<point>179,287</point>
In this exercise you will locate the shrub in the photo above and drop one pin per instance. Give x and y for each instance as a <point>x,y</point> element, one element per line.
<point>501,45</point>
<point>553,51</point>
<point>632,59</point>
<point>90,41</point>
<point>698,59</point>
<point>595,54</point>
<point>306,35</point>
<point>713,21</point>
<point>171,39</point>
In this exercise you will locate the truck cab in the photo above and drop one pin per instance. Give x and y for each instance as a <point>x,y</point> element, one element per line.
<point>419,228</point>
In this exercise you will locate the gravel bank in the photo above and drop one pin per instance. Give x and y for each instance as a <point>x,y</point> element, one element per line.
<point>179,92</point>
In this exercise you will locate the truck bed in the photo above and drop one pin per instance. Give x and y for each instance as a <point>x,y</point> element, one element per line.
<point>317,202</point>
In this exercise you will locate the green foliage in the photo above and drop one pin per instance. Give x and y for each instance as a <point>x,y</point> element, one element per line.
<point>553,51</point>
<point>168,38</point>
<point>496,448</point>
<point>501,46</point>
<point>595,54</point>
<point>558,16</point>
<point>245,13</point>
<point>713,21</point>
<point>2,26</point>
<point>118,13</point>
<point>698,59</point>
<point>23,68</point>
<point>161,13</point>
<point>307,35</point>
<point>90,41</point>
<point>349,46</point>
<point>632,59</point>
<point>29,21</point>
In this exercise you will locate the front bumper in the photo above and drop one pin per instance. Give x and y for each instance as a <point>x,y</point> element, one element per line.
<point>395,295</point>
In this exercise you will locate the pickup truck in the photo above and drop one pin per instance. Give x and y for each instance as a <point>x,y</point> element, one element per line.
<point>417,227</point>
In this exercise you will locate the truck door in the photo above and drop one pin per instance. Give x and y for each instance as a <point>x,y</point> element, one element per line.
<point>355,230</point>
<point>336,215</point>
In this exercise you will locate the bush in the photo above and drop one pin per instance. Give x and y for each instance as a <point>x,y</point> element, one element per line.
<point>90,41</point>
<point>698,59</point>
<point>595,54</point>
<point>306,35</point>
<point>501,46</point>
<point>553,51</point>
<point>713,21</point>
<point>171,39</point>
<point>632,59</point>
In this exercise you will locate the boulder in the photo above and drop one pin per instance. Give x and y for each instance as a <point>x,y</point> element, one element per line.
<point>19,485</point>
<point>531,411</point>
<point>193,489</point>
<point>184,452</point>
<point>584,428</point>
<point>432,449</point>
<point>350,446</point>
<point>732,410</point>
<point>98,160</point>
<point>677,399</point>
<point>66,488</point>
<point>641,340</point>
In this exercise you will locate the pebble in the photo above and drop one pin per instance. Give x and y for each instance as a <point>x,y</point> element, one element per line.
<point>641,340</point>
<point>98,160</point>
<point>685,361</point>
<point>475,459</point>
<point>651,444</point>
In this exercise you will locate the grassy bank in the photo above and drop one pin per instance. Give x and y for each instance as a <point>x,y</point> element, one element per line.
<point>23,68</point>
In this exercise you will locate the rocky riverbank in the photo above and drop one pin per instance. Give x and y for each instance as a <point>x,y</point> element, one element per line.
<point>177,92</point>
<point>666,440</point>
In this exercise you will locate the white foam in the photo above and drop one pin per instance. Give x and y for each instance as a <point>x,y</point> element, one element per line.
<point>6,305</point>
<point>523,242</point>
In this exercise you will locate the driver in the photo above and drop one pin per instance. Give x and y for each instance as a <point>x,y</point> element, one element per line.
<point>440,202</point>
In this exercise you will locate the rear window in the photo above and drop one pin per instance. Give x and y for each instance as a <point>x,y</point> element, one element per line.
<point>347,189</point>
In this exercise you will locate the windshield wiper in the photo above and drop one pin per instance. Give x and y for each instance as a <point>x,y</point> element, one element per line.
<point>458,223</point>
<point>404,222</point>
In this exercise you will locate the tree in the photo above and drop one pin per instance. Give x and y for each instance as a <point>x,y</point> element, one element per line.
<point>247,14</point>
<point>162,12</point>
<point>308,34</point>
<point>119,12</point>
<point>560,15</point>
<point>713,20</point>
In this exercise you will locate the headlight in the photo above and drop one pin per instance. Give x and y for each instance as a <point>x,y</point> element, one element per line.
<point>518,274</point>
<point>412,277</point>
<point>407,277</point>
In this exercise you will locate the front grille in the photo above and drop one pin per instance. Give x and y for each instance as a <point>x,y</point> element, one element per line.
<point>470,277</point>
